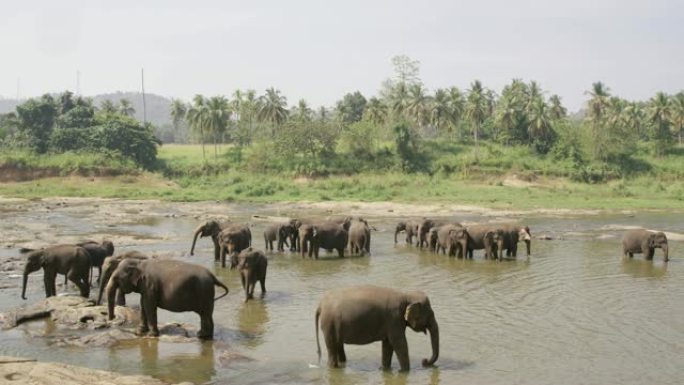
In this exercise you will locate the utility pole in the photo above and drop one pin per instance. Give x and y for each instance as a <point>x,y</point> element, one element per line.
<point>142,80</point>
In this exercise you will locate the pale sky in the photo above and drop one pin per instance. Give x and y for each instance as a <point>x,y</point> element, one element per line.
<point>319,50</point>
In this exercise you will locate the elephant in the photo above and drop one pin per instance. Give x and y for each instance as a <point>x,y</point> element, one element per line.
<point>109,265</point>
<point>359,236</point>
<point>644,241</point>
<point>212,229</point>
<point>364,314</point>
<point>424,228</point>
<point>514,233</point>
<point>252,265</point>
<point>171,285</point>
<point>72,261</point>
<point>488,237</point>
<point>451,237</point>
<point>97,252</point>
<point>279,232</point>
<point>294,237</point>
<point>326,235</point>
<point>234,239</point>
<point>411,229</point>
<point>344,221</point>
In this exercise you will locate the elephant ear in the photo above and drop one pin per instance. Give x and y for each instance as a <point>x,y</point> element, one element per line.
<point>651,240</point>
<point>134,272</point>
<point>416,317</point>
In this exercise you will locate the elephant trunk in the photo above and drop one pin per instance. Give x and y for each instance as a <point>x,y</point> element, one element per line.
<point>434,339</point>
<point>665,252</point>
<point>104,281</point>
<point>23,286</point>
<point>112,287</point>
<point>528,244</point>
<point>194,240</point>
<point>500,248</point>
<point>395,235</point>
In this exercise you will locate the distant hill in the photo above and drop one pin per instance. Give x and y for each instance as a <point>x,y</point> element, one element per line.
<point>158,107</point>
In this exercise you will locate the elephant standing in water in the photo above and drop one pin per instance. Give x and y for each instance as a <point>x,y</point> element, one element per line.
<point>514,233</point>
<point>424,231</point>
<point>326,235</point>
<point>171,285</point>
<point>234,239</point>
<point>97,252</point>
<point>209,229</point>
<point>450,238</point>
<point>109,265</point>
<point>359,236</point>
<point>644,241</point>
<point>252,265</point>
<point>72,261</point>
<point>409,227</point>
<point>365,314</point>
<point>488,237</point>
<point>279,232</point>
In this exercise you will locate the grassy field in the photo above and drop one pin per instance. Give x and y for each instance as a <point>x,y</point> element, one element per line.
<point>500,180</point>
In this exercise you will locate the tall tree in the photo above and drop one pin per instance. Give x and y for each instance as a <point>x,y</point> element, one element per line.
<point>302,112</point>
<point>659,115</point>
<point>677,115</point>
<point>540,126</point>
<point>418,107</point>
<point>125,107</point>
<point>457,106</point>
<point>178,111</point>
<point>557,111</point>
<point>273,108</point>
<point>217,117</point>
<point>108,107</point>
<point>597,105</point>
<point>441,115</point>
<point>36,119</point>
<point>376,111</point>
<point>477,108</point>
<point>196,118</point>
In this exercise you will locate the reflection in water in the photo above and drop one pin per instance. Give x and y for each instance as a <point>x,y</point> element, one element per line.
<point>175,363</point>
<point>252,320</point>
<point>638,268</point>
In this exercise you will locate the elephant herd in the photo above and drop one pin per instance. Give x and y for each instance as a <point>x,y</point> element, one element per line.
<point>353,315</point>
<point>454,239</point>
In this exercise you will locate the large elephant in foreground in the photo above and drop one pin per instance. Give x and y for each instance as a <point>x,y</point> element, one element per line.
<point>365,314</point>
<point>72,261</point>
<point>234,239</point>
<point>109,265</point>
<point>97,252</point>
<point>171,285</point>
<point>209,229</point>
<point>644,241</point>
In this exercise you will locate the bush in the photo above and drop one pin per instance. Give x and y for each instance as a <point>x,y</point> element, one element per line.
<point>359,140</point>
<point>129,138</point>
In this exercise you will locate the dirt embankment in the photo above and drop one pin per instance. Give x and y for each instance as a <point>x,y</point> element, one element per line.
<point>19,173</point>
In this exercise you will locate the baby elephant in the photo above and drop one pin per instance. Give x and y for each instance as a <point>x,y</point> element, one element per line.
<point>364,314</point>
<point>252,266</point>
<point>171,285</point>
<point>644,241</point>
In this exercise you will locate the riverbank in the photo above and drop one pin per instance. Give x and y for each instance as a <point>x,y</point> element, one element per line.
<point>28,371</point>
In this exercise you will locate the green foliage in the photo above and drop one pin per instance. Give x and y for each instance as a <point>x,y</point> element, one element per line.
<point>306,147</point>
<point>36,119</point>
<point>359,140</point>
<point>350,109</point>
<point>129,138</point>
<point>406,143</point>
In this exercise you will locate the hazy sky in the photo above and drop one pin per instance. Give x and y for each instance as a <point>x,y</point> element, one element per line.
<point>319,50</point>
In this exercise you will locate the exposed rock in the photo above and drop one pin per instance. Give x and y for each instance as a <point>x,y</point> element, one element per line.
<point>22,371</point>
<point>102,339</point>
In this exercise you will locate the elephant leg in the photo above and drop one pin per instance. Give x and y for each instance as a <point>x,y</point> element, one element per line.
<point>206,331</point>
<point>514,250</point>
<point>649,253</point>
<point>340,252</point>
<point>46,283</point>
<point>631,255</point>
<point>151,310</point>
<point>331,345</point>
<point>263,284</point>
<point>387,352</point>
<point>340,353</point>
<point>217,249</point>
<point>144,322</point>
<point>400,346</point>
<point>81,282</point>
<point>120,298</point>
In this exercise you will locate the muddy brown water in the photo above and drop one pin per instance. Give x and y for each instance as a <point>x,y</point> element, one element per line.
<point>575,312</point>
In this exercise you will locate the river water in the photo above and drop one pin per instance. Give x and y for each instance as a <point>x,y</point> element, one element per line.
<point>575,312</point>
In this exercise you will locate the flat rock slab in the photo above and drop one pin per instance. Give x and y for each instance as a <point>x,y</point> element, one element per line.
<point>23,371</point>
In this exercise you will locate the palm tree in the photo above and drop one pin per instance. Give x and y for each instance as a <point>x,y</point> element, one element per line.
<point>557,111</point>
<point>477,107</point>
<point>659,114</point>
<point>216,119</point>
<point>302,112</point>
<point>539,117</point>
<point>323,114</point>
<point>506,115</point>
<point>399,98</point>
<point>678,114</point>
<point>456,105</point>
<point>376,111</point>
<point>597,106</point>
<point>418,105</point>
<point>195,117</point>
<point>107,107</point>
<point>125,107</point>
<point>178,111</point>
<point>273,108</point>
<point>633,118</point>
<point>440,110</point>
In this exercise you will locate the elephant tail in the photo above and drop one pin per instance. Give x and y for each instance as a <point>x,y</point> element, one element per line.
<point>220,284</point>
<point>318,344</point>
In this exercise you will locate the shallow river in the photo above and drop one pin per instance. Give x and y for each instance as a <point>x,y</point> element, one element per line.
<point>575,312</point>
